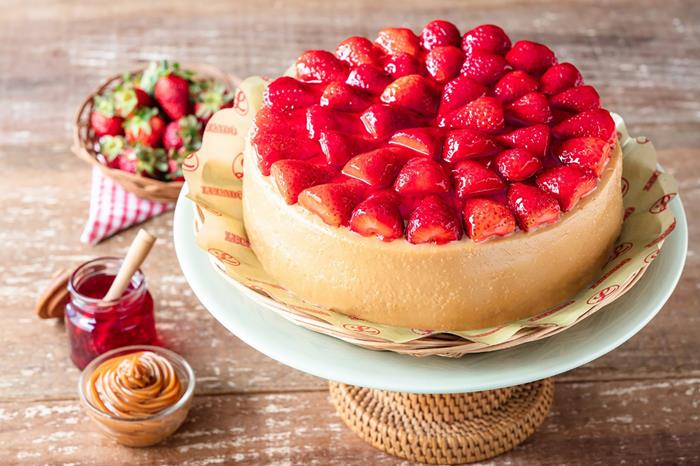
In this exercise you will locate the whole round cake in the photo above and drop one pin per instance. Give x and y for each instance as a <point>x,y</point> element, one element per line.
<point>435,181</point>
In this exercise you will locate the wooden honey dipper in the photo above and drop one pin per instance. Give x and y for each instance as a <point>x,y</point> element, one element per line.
<point>139,249</point>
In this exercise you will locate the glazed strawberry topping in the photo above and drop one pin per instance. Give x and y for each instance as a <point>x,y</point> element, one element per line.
<point>433,135</point>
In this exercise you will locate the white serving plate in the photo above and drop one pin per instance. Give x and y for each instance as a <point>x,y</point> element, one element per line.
<point>334,359</point>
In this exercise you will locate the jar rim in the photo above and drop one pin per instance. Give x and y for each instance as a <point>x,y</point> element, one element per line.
<point>73,290</point>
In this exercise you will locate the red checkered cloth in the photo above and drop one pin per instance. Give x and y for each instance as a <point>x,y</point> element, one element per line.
<point>113,209</point>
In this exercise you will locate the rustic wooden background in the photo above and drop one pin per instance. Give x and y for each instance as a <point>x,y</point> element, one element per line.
<point>640,404</point>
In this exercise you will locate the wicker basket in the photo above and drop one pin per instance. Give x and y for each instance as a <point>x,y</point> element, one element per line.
<point>84,141</point>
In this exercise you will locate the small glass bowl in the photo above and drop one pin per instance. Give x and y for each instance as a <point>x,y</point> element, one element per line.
<point>146,431</point>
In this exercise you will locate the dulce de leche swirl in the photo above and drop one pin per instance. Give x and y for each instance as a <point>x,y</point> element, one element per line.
<point>134,386</point>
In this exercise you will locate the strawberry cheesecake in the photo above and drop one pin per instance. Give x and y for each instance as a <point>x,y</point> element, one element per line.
<point>435,181</point>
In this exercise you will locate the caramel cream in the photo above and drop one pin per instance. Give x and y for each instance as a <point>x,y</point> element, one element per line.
<point>134,386</point>
<point>455,286</point>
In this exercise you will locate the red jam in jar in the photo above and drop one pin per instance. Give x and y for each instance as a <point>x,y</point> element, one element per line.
<point>95,326</point>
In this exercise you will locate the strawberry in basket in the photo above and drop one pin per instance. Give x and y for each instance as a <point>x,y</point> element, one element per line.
<point>150,121</point>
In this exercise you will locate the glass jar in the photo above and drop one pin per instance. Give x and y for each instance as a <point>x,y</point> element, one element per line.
<point>95,326</point>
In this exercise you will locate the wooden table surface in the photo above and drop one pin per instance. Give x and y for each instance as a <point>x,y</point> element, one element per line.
<point>640,404</point>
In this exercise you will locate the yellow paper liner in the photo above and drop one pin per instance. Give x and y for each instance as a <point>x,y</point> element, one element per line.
<point>214,175</point>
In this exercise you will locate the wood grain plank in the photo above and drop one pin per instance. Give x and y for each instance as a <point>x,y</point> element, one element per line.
<point>642,423</point>
<point>638,404</point>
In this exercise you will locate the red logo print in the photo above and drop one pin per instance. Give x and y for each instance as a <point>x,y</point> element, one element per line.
<point>224,257</point>
<point>237,166</point>
<point>191,162</point>
<point>648,259</point>
<point>603,294</point>
<point>366,329</point>
<point>663,235</point>
<point>422,332</point>
<point>240,103</point>
<point>620,249</point>
<point>625,186</point>
<point>652,179</point>
<point>236,239</point>
<point>662,204</point>
<point>629,211</point>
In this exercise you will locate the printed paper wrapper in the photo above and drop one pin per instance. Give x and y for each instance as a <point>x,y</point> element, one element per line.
<point>214,175</point>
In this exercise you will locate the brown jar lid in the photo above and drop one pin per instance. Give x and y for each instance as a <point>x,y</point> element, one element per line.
<point>52,302</point>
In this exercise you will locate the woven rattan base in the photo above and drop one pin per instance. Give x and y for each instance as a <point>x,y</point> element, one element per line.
<point>444,429</point>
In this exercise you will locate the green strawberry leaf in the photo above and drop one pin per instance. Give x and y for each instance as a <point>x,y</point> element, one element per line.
<point>112,146</point>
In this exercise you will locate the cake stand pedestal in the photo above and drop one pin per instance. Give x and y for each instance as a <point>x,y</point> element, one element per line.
<point>444,429</point>
<point>433,409</point>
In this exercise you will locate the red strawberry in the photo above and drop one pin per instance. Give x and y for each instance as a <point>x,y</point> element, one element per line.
<point>320,66</point>
<point>341,96</point>
<point>568,184</point>
<point>145,128</point>
<point>413,92</point>
<point>185,132</point>
<point>357,50</point>
<point>514,85</point>
<point>467,143</point>
<point>534,139</point>
<point>577,99</point>
<point>586,152</point>
<point>486,38</point>
<point>104,125</point>
<point>268,120</point>
<point>484,67</point>
<point>532,207</point>
<point>127,163</point>
<point>433,221</point>
<point>379,216</point>
<point>559,78</point>
<point>559,115</point>
<point>271,147</point>
<point>484,114</point>
<point>530,56</point>
<point>517,164</point>
<point>287,93</point>
<point>338,147</point>
<point>530,109</point>
<point>368,78</point>
<point>595,123</point>
<point>319,119</point>
<point>472,178</point>
<point>333,202</point>
<point>398,40</point>
<point>439,33</point>
<point>421,175</point>
<point>485,218</point>
<point>400,65</point>
<point>459,92</point>
<point>377,168</point>
<point>444,63</point>
<point>103,120</point>
<point>294,176</point>
<point>381,121</point>
<point>173,95</point>
<point>425,141</point>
